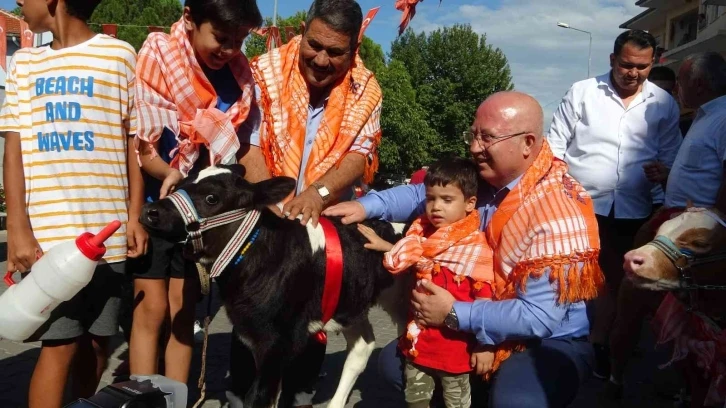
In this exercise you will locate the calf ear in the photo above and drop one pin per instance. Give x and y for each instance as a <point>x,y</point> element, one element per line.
<point>238,169</point>
<point>273,191</point>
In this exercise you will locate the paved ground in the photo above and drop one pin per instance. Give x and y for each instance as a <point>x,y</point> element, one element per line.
<point>647,386</point>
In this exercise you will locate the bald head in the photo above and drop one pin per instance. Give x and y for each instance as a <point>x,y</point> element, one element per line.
<point>517,111</point>
<point>509,125</point>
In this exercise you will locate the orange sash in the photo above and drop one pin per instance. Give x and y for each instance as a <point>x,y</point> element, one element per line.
<point>173,92</point>
<point>546,222</point>
<point>460,247</point>
<point>352,110</point>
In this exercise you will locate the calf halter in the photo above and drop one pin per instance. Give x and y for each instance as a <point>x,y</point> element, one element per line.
<point>195,226</point>
<point>684,260</point>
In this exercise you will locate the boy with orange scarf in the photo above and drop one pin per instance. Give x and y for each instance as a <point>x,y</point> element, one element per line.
<point>444,246</point>
<point>194,92</point>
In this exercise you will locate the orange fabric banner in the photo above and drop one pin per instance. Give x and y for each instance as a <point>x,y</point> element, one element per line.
<point>26,36</point>
<point>110,29</point>
<point>290,33</point>
<point>367,21</point>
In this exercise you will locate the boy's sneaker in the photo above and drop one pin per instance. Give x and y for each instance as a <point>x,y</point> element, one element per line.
<point>198,332</point>
<point>602,362</point>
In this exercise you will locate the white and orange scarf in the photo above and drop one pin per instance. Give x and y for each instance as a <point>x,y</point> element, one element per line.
<point>459,247</point>
<point>284,100</point>
<point>173,92</point>
<point>697,336</point>
<point>546,222</point>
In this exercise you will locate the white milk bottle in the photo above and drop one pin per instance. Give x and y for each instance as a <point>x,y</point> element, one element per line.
<point>56,277</point>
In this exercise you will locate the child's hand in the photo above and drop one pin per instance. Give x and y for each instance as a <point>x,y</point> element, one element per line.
<point>376,243</point>
<point>482,360</point>
<point>137,238</point>
<point>170,182</point>
<point>23,250</point>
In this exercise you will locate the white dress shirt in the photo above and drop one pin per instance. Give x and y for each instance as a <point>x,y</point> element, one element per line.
<point>606,144</point>
<point>698,170</point>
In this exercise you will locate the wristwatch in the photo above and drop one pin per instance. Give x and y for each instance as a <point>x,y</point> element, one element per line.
<point>322,190</point>
<point>452,321</point>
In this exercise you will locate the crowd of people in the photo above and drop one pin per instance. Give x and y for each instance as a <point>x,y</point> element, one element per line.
<point>511,249</point>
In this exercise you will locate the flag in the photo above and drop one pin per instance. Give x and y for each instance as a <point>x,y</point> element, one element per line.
<point>110,29</point>
<point>3,42</point>
<point>367,21</point>
<point>290,33</point>
<point>26,36</point>
<point>273,36</point>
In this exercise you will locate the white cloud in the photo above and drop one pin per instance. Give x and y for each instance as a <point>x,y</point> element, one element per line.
<point>545,59</point>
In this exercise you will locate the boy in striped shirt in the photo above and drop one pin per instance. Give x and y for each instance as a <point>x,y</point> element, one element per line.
<point>67,117</point>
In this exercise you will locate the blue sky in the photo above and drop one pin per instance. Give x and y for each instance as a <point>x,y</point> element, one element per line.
<point>545,60</point>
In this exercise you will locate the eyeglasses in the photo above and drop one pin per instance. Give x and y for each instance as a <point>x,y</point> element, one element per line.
<point>484,140</point>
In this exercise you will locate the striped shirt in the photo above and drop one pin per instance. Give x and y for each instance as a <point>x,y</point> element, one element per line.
<point>74,111</point>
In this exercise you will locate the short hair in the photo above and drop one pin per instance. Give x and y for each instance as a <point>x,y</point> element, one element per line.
<point>710,66</point>
<point>639,38</point>
<point>225,14</point>
<point>81,9</point>
<point>460,172</point>
<point>343,16</point>
<point>662,73</point>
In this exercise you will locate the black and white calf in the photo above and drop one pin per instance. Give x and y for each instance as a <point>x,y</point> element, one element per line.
<point>274,293</point>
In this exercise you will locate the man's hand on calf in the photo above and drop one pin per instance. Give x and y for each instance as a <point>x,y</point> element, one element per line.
<point>351,211</point>
<point>309,203</point>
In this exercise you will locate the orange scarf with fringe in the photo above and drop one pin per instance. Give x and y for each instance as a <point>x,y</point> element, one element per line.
<point>460,247</point>
<point>352,110</point>
<point>547,221</point>
<point>173,92</point>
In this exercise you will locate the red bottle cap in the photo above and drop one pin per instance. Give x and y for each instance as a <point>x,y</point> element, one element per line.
<point>91,246</point>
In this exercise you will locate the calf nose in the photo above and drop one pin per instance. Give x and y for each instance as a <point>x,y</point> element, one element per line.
<point>152,216</point>
<point>633,262</point>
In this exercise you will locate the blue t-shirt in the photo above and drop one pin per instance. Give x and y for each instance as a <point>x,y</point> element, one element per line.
<point>228,92</point>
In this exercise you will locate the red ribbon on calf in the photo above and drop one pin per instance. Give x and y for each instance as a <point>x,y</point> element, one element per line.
<point>333,275</point>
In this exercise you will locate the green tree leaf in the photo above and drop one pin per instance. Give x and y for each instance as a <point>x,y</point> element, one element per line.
<point>454,70</point>
<point>140,13</point>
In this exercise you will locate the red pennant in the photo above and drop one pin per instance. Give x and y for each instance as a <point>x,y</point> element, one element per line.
<point>26,36</point>
<point>155,29</point>
<point>110,29</point>
<point>273,36</point>
<point>290,33</point>
<point>3,42</point>
<point>367,21</point>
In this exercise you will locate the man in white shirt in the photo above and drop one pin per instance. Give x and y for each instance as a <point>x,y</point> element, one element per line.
<point>619,134</point>
<point>697,174</point>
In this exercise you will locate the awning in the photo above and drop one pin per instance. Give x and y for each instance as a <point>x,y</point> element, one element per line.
<point>646,20</point>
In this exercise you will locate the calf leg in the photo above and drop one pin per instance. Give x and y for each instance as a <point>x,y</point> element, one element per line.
<point>361,343</point>
<point>270,359</point>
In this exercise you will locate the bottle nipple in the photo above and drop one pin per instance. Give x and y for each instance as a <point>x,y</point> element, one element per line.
<point>105,233</point>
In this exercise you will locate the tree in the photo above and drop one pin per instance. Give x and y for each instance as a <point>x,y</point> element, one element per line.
<point>408,141</point>
<point>141,13</point>
<point>18,11</point>
<point>370,51</point>
<point>453,70</point>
